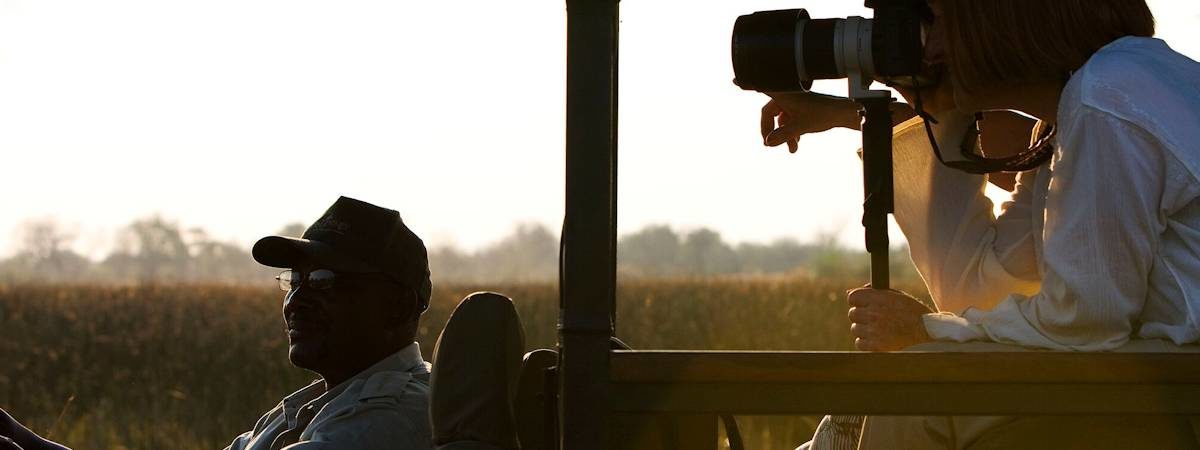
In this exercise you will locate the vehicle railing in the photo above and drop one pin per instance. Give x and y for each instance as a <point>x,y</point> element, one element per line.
<point>905,383</point>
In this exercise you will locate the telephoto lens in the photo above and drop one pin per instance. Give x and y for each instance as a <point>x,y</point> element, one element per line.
<point>785,50</point>
<point>766,51</point>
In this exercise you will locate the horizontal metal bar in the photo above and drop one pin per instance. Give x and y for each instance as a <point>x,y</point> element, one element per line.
<point>908,398</point>
<point>1038,383</point>
<point>689,367</point>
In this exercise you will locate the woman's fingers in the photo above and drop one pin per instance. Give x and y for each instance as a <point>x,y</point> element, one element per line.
<point>869,317</point>
<point>869,323</point>
<point>864,327</point>
<point>766,121</point>
<point>860,330</point>
<point>863,296</point>
<point>778,127</point>
<point>783,134</point>
<point>868,345</point>
<point>801,113</point>
<point>883,320</point>
<point>861,345</point>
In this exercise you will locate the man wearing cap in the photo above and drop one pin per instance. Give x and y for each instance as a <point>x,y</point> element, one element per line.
<point>356,284</point>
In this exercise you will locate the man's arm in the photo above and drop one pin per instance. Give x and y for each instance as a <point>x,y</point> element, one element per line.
<point>8,444</point>
<point>22,438</point>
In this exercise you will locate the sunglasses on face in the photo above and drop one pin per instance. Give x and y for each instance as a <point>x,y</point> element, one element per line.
<point>975,162</point>
<point>320,279</point>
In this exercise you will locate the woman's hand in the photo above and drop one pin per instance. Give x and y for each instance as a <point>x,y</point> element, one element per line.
<point>791,114</point>
<point>886,320</point>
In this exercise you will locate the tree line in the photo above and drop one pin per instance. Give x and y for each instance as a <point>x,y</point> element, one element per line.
<point>158,250</point>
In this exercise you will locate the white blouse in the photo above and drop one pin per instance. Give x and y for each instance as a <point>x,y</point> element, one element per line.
<point>1100,246</point>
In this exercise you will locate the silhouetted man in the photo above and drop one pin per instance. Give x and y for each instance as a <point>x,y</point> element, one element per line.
<point>356,284</point>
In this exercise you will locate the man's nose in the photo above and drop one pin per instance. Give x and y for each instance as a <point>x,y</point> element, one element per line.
<point>297,298</point>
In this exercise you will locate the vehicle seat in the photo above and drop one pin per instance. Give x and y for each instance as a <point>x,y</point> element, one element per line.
<point>476,366</point>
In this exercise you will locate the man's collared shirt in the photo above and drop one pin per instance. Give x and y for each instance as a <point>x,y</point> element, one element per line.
<point>385,406</point>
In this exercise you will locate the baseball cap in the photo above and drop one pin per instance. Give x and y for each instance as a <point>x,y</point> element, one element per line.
<point>355,236</point>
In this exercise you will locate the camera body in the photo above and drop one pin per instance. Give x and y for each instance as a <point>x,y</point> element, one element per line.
<point>785,50</point>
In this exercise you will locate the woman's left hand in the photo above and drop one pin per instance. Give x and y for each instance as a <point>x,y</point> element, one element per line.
<point>886,320</point>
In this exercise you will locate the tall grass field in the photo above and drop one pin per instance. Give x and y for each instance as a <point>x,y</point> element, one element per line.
<point>190,367</point>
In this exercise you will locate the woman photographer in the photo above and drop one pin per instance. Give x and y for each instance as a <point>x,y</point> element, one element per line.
<point>1099,249</point>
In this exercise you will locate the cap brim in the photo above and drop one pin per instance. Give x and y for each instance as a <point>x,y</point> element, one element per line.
<point>287,252</point>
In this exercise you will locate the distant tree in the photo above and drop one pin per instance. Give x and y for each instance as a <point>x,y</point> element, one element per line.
<point>832,259</point>
<point>43,238</point>
<point>784,255</point>
<point>213,260</point>
<point>530,253</point>
<point>449,263</point>
<point>704,253</point>
<point>149,250</point>
<point>44,254</point>
<point>652,251</point>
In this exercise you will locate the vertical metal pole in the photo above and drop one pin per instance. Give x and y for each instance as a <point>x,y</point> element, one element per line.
<point>589,250</point>
<point>877,183</point>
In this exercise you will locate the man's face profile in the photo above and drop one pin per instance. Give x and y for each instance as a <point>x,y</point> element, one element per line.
<point>332,326</point>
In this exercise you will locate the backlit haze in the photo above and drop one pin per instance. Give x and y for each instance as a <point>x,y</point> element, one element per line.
<point>242,116</point>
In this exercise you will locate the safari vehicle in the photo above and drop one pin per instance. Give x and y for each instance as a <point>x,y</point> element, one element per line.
<point>591,394</point>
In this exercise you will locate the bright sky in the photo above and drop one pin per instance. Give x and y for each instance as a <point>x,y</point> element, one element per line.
<point>242,115</point>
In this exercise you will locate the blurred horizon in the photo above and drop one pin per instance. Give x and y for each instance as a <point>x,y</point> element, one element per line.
<point>158,250</point>
<point>96,243</point>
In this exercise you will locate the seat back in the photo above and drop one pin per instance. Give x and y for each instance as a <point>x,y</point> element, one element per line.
<point>536,402</point>
<point>476,366</point>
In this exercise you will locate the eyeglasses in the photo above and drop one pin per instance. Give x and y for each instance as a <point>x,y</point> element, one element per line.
<point>973,160</point>
<point>320,279</point>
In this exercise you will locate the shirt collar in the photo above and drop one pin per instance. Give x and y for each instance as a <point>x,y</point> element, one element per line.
<point>408,359</point>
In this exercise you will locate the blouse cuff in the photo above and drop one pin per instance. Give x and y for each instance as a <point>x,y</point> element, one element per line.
<point>944,326</point>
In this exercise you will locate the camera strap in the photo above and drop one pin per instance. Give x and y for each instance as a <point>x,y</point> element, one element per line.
<point>1037,154</point>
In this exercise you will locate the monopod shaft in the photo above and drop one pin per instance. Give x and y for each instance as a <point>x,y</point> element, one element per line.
<point>876,128</point>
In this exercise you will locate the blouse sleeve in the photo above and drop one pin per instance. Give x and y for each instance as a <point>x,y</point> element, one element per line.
<point>967,256</point>
<point>1102,222</point>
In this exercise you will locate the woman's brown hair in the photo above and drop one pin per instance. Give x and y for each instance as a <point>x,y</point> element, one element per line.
<point>1005,42</point>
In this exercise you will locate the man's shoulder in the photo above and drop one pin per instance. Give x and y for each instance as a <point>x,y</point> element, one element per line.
<point>387,390</point>
<point>388,406</point>
<point>392,385</point>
